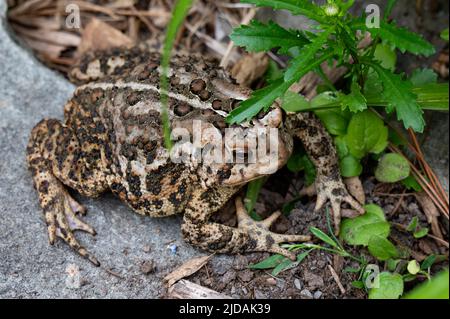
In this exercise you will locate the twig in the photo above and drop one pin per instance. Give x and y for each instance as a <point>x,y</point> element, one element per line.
<point>336,278</point>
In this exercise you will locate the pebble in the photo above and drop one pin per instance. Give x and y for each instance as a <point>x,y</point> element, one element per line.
<point>73,279</point>
<point>240,262</point>
<point>246,275</point>
<point>244,290</point>
<point>147,267</point>
<point>260,295</point>
<point>306,294</point>
<point>271,281</point>
<point>313,280</point>
<point>318,294</point>
<point>297,284</point>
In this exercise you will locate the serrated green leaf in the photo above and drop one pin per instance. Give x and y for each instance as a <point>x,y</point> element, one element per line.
<point>402,39</point>
<point>323,237</point>
<point>355,101</point>
<point>381,248</point>
<point>392,168</point>
<point>297,7</point>
<point>398,93</point>
<point>391,286</point>
<point>306,56</point>
<point>257,37</point>
<point>366,134</point>
<point>294,102</point>
<point>359,230</point>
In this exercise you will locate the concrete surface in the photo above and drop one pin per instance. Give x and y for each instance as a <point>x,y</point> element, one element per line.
<point>29,266</point>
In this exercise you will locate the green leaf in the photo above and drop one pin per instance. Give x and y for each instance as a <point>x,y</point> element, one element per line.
<point>433,96</point>
<point>257,37</point>
<point>294,102</point>
<point>437,288</point>
<point>392,168</point>
<point>289,264</point>
<point>310,170</point>
<point>359,230</point>
<point>392,264</point>
<point>398,93</point>
<point>273,72</point>
<point>401,38</point>
<point>297,7</point>
<point>391,4</point>
<point>411,184</point>
<point>413,224</point>
<point>423,77</point>
<point>268,263</point>
<point>341,146</point>
<point>253,189</point>
<point>358,284</point>
<point>391,287</point>
<point>323,237</point>
<point>366,134</point>
<point>385,56</point>
<point>381,248</point>
<point>306,56</point>
<point>334,120</point>
<point>264,98</point>
<point>179,13</point>
<point>421,233</point>
<point>428,262</point>
<point>350,166</point>
<point>413,267</point>
<point>355,101</point>
<point>444,35</point>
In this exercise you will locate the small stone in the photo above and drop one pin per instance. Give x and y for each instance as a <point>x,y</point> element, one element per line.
<point>244,290</point>
<point>246,275</point>
<point>271,281</point>
<point>73,279</point>
<point>229,276</point>
<point>240,262</point>
<point>318,294</point>
<point>233,290</point>
<point>260,295</point>
<point>147,248</point>
<point>297,284</point>
<point>147,267</point>
<point>313,281</point>
<point>305,293</point>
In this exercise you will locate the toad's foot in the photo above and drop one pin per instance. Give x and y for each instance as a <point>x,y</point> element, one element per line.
<point>332,189</point>
<point>259,232</point>
<point>62,222</point>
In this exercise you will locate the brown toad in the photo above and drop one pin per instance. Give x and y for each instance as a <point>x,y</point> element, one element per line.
<point>112,139</point>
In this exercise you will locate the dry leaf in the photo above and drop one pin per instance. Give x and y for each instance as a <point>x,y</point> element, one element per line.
<point>99,35</point>
<point>188,268</point>
<point>431,211</point>
<point>250,68</point>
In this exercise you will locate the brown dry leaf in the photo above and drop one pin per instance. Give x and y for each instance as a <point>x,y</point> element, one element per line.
<point>431,211</point>
<point>99,35</point>
<point>250,68</point>
<point>188,268</point>
<point>355,188</point>
<point>55,37</point>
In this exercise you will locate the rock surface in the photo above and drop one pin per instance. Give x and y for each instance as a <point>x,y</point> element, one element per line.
<point>29,266</point>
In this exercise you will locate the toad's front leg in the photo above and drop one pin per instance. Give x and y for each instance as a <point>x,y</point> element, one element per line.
<point>249,236</point>
<point>320,148</point>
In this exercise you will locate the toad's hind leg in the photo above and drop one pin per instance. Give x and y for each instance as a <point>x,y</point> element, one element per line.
<point>249,236</point>
<point>53,155</point>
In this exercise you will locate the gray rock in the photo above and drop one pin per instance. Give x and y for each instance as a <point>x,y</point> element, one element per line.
<point>305,293</point>
<point>29,266</point>
<point>317,294</point>
<point>297,284</point>
<point>313,281</point>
